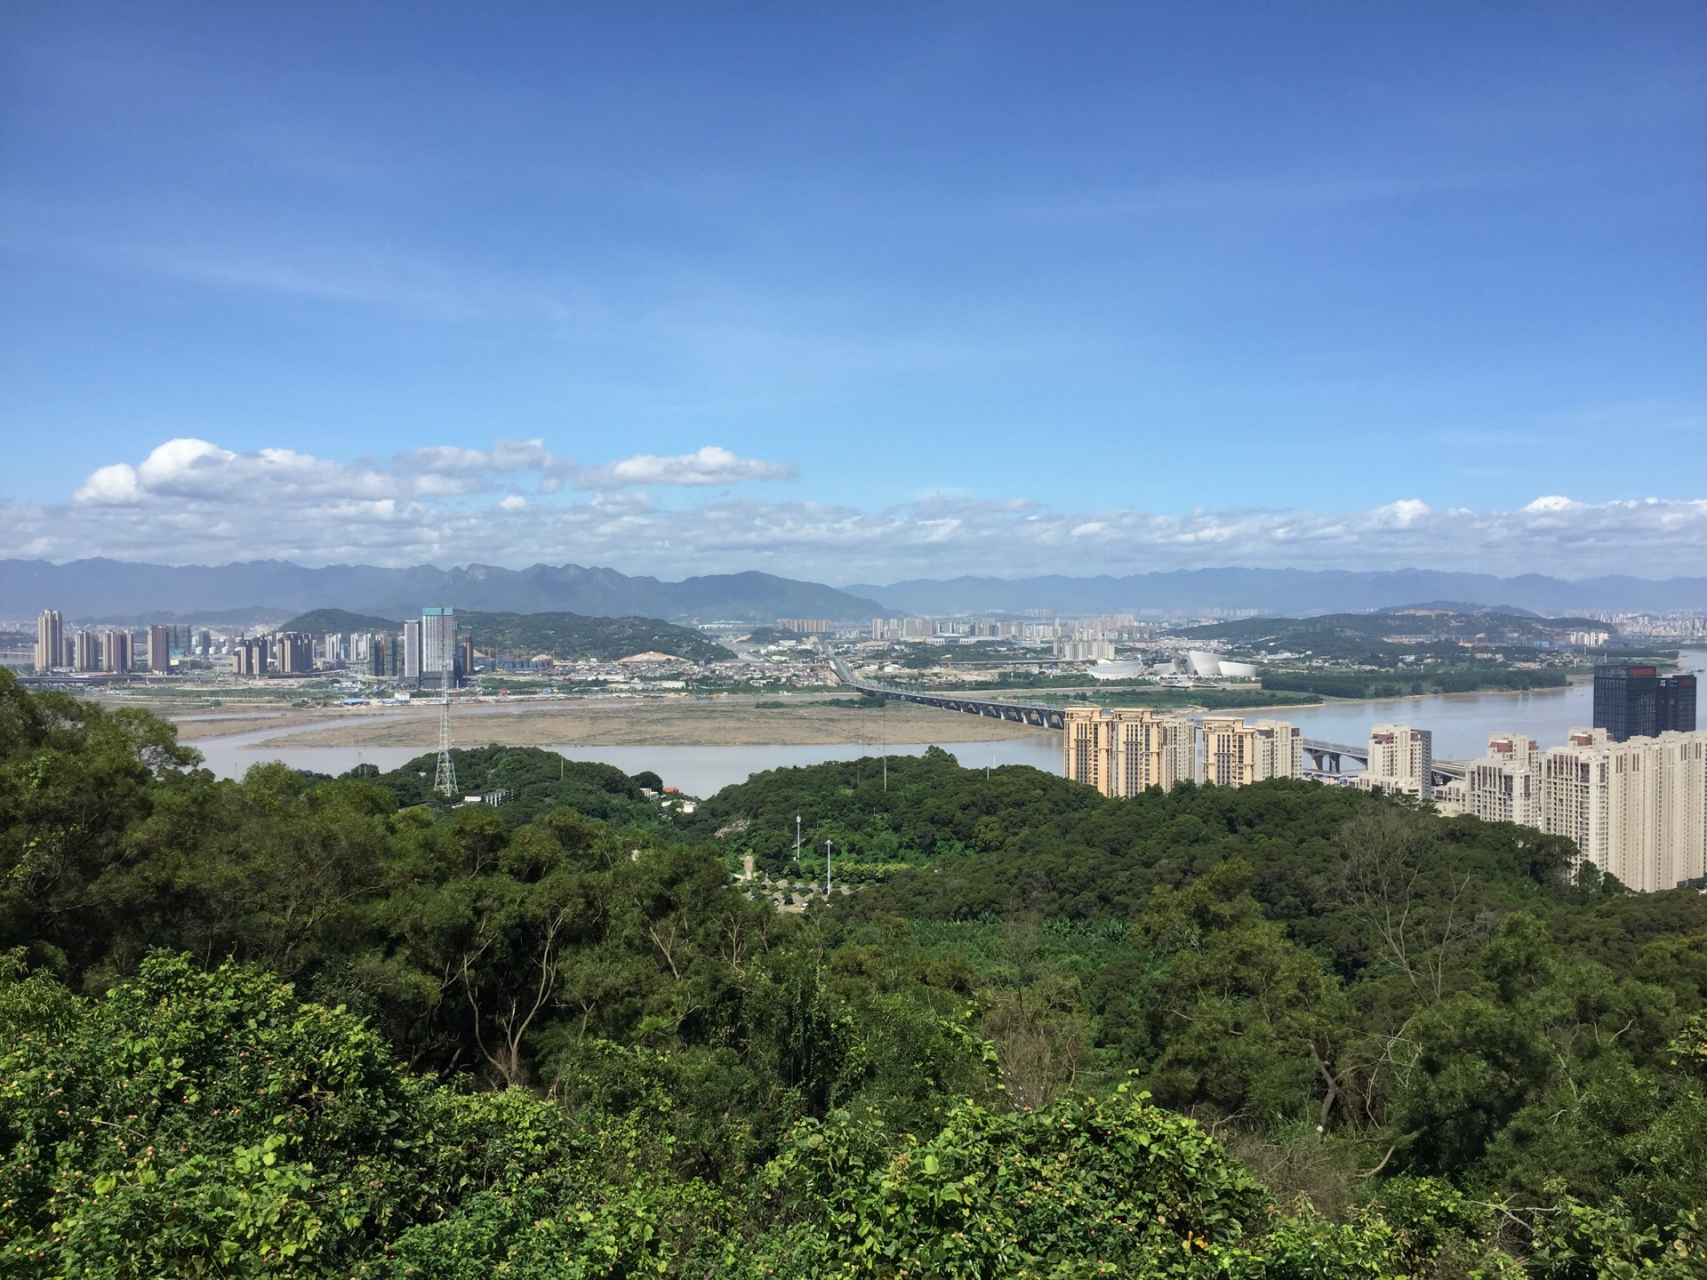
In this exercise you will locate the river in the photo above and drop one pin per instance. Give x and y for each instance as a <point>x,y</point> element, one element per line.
<point>1461,723</point>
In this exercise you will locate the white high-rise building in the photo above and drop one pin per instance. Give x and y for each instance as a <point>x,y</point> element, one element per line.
<point>438,640</point>
<point>1505,785</point>
<point>410,667</point>
<point>1401,760</point>
<point>1636,809</point>
<point>1085,650</point>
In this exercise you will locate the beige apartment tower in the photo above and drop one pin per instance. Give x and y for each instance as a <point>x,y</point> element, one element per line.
<point>86,652</point>
<point>1401,760</point>
<point>1237,753</point>
<point>160,650</point>
<point>50,640</point>
<point>115,651</point>
<point>1121,753</point>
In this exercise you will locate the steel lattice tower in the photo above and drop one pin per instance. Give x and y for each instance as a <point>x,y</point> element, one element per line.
<point>444,781</point>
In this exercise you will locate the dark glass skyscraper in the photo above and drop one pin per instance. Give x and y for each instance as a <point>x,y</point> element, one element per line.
<point>1674,704</point>
<point>1637,702</point>
<point>1625,700</point>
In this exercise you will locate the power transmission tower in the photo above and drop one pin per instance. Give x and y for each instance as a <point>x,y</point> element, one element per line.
<point>444,781</point>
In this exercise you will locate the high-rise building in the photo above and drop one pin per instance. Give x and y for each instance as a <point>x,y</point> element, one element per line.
<point>1638,702</point>
<point>1121,753</point>
<point>1085,650</point>
<point>1236,754</point>
<point>1636,809</point>
<point>1625,700</point>
<point>296,653</point>
<point>438,640</point>
<point>1505,785</point>
<point>1401,759</point>
<point>115,651</point>
<point>254,656</point>
<point>160,649</point>
<point>1674,704</point>
<point>87,652</point>
<point>410,668</point>
<point>50,640</point>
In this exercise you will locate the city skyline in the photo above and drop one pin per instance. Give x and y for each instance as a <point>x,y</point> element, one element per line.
<point>857,297</point>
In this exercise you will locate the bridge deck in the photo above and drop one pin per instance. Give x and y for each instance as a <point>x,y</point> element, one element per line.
<point>1034,714</point>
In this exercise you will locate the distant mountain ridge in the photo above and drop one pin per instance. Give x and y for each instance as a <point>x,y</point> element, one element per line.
<point>114,588</point>
<point>120,590</point>
<point>1293,592</point>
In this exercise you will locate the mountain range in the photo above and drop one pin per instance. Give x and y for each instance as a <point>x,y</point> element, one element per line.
<point>1294,592</point>
<point>91,589</point>
<point>87,590</point>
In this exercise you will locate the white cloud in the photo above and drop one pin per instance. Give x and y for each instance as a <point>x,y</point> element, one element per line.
<point>187,472</point>
<point>1404,513</point>
<point>505,456</point>
<point>704,467</point>
<point>113,486</point>
<point>192,501</point>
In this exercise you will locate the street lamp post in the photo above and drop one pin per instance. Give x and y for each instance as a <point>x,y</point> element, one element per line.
<point>797,839</point>
<point>826,870</point>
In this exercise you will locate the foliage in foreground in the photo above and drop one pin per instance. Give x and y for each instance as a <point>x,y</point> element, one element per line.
<point>1428,1045</point>
<point>201,1123</point>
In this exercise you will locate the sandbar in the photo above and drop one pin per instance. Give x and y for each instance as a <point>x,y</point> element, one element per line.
<point>627,722</point>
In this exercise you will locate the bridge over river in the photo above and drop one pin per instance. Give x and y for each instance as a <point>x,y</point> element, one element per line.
<point>1032,713</point>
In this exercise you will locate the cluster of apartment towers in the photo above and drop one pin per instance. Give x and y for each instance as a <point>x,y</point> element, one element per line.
<point>423,649</point>
<point>106,650</point>
<point>1630,791</point>
<point>422,652</point>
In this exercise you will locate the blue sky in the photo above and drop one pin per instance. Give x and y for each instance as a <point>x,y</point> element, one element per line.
<point>944,287</point>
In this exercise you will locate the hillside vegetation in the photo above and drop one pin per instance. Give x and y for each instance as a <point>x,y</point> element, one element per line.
<point>306,1026</point>
<point>1430,645</point>
<point>342,621</point>
<point>570,635</point>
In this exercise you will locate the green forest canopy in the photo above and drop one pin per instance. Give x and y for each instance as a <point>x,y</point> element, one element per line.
<point>295,1025</point>
<point>570,635</point>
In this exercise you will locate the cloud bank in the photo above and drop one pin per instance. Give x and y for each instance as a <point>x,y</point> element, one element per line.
<point>191,501</point>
